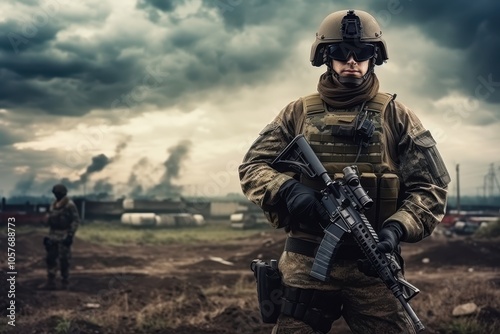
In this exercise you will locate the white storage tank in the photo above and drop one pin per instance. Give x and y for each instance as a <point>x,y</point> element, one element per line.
<point>185,219</point>
<point>166,220</point>
<point>140,219</point>
<point>199,219</point>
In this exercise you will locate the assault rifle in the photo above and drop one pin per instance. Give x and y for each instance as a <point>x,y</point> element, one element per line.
<point>345,201</point>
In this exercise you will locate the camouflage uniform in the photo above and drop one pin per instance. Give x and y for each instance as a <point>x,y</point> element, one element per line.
<point>399,166</point>
<point>63,220</point>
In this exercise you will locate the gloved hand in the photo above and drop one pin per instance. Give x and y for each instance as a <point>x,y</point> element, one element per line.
<point>389,237</point>
<point>366,268</point>
<point>302,202</point>
<point>68,240</point>
<point>47,243</point>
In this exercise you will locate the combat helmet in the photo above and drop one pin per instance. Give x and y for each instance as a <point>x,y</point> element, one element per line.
<point>350,27</point>
<point>60,189</point>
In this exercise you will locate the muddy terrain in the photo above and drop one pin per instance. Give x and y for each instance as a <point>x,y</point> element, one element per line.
<point>209,288</point>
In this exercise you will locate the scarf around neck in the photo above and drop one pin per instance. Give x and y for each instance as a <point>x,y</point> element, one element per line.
<point>56,205</point>
<point>339,96</point>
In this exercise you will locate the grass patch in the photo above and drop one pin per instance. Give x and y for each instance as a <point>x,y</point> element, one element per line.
<point>63,326</point>
<point>117,234</point>
<point>435,309</point>
<point>492,230</point>
<point>244,286</point>
<point>469,326</point>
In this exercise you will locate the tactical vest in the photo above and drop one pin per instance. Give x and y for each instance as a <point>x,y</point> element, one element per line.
<point>333,136</point>
<point>60,218</point>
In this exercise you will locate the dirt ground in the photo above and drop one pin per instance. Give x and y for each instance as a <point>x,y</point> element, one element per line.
<point>179,289</point>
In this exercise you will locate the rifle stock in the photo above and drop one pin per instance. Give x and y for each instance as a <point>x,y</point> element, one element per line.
<point>345,202</point>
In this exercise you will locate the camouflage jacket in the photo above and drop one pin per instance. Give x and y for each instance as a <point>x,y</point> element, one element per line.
<point>408,150</point>
<point>63,218</point>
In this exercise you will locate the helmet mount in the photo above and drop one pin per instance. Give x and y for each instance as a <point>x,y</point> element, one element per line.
<point>351,26</point>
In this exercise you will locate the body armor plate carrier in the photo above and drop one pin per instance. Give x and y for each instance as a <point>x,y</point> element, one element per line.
<point>342,137</point>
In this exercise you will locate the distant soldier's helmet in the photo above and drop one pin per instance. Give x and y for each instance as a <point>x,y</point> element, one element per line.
<point>348,31</point>
<point>60,189</point>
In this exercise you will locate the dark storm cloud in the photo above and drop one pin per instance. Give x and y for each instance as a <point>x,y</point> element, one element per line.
<point>240,13</point>
<point>42,82</point>
<point>469,28</point>
<point>72,77</point>
<point>155,8</point>
<point>162,5</point>
<point>53,76</point>
<point>17,36</point>
<point>193,53</point>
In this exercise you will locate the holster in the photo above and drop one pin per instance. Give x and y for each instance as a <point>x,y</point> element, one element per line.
<point>269,289</point>
<point>47,243</point>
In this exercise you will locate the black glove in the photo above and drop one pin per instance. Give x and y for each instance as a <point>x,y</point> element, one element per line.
<point>302,202</point>
<point>47,243</point>
<point>389,237</point>
<point>366,268</point>
<point>68,240</point>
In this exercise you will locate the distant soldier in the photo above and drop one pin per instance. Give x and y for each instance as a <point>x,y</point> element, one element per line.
<point>63,220</point>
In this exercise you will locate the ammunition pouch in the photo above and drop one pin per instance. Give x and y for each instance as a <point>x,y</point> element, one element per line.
<point>383,190</point>
<point>47,243</point>
<point>269,289</point>
<point>316,308</point>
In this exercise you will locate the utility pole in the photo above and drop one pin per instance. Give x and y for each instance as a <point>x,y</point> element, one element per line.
<point>458,188</point>
<point>83,201</point>
<point>490,180</point>
<point>495,179</point>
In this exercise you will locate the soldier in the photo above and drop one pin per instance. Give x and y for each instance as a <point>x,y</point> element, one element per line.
<point>348,122</point>
<point>63,220</point>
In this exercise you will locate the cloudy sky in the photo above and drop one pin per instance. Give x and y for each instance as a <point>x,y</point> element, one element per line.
<point>138,97</point>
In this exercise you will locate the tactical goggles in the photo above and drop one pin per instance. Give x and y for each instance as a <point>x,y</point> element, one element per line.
<point>343,51</point>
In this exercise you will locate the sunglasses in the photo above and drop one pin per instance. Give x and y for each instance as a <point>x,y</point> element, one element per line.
<point>343,51</point>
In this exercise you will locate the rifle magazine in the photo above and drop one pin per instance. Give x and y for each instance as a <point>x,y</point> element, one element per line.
<point>323,261</point>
